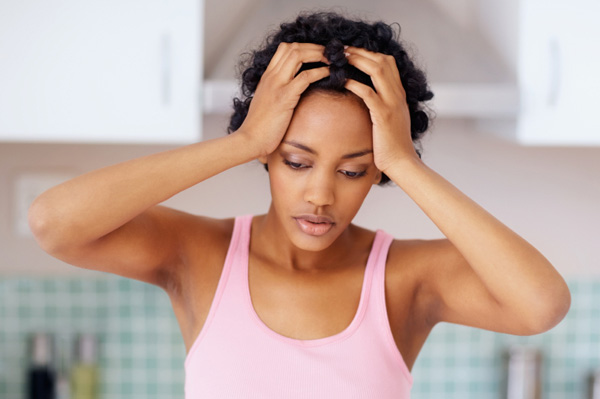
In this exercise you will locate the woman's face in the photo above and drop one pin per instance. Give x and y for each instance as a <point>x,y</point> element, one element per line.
<point>322,171</point>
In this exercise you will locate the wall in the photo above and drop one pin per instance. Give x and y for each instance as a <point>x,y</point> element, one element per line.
<point>462,12</point>
<point>498,21</point>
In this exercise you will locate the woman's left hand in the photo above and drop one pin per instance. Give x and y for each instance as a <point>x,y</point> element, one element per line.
<point>388,108</point>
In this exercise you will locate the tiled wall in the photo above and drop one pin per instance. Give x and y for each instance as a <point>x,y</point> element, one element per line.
<point>142,352</point>
<point>458,362</point>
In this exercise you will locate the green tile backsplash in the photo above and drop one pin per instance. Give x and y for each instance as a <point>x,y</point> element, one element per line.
<point>141,351</point>
<point>142,354</point>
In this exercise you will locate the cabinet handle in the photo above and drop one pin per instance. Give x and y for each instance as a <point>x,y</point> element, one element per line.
<point>555,72</point>
<point>165,69</point>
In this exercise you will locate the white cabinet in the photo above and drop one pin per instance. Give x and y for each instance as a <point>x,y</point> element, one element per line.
<point>559,72</point>
<point>553,47</point>
<point>127,71</point>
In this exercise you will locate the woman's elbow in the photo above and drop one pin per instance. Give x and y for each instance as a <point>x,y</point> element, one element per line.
<point>45,226</point>
<point>551,308</point>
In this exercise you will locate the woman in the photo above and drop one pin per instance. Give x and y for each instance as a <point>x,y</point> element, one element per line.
<point>300,302</point>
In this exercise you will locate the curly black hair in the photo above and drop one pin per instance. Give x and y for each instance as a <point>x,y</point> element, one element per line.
<point>333,31</point>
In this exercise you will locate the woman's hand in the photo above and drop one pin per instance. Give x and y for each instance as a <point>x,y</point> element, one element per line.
<point>388,108</point>
<point>278,93</point>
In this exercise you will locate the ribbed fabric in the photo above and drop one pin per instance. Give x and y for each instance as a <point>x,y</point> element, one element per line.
<point>237,356</point>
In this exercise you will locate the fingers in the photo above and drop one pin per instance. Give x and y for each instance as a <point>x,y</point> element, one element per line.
<point>289,57</point>
<point>283,49</point>
<point>380,67</point>
<point>280,76</point>
<point>305,78</point>
<point>368,95</point>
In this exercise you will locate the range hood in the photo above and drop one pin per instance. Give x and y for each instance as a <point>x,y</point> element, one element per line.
<point>468,78</point>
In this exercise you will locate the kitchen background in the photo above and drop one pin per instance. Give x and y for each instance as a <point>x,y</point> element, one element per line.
<point>507,133</point>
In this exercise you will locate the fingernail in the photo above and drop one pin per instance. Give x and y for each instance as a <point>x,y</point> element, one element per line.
<point>347,54</point>
<point>345,47</point>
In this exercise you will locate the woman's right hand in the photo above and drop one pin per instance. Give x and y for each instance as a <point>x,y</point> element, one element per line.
<point>278,93</point>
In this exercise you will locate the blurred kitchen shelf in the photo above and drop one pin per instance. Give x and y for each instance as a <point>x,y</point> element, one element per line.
<point>454,100</point>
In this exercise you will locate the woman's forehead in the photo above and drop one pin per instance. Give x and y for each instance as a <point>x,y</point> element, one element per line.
<point>324,120</point>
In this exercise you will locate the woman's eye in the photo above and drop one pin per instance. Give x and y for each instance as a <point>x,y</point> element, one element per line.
<point>353,175</point>
<point>294,165</point>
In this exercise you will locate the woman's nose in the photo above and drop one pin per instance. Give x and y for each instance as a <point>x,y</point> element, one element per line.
<point>319,190</point>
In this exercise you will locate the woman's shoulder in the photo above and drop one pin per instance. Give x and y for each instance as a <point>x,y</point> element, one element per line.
<point>404,250</point>
<point>420,260</point>
<point>204,231</point>
<point>196,235</point>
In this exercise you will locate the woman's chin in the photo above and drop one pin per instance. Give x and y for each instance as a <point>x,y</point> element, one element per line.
<point>312,245</point>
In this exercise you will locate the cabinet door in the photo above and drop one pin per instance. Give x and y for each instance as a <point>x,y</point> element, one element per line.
<point>100,71</point>
<point>559,72</point>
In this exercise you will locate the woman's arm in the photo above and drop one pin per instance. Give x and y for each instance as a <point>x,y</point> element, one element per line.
<point>486,275</point>
<point>107,219</point>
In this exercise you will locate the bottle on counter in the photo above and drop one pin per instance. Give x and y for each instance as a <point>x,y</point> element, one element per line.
<point>523,373</point>
<point>41,377</point>
<point>594,385</point>
<point>84,372</point>
<point>63,365</point>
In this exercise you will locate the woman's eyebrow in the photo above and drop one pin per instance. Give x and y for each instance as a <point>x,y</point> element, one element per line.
<point>300,146</point>
<point>308,149</point>
<point>357,154</point>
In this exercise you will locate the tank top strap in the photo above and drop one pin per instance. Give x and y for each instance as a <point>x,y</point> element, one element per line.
<point>377,261</point>
<point>243,225</point>
<point>238,248</point>
<point>381,247</point>
<point>377,301</point>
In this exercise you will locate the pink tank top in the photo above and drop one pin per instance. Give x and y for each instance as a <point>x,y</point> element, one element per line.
<point>236,355</point>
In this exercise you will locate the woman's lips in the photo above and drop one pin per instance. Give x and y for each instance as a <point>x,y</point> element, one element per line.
<point>314,225</point>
